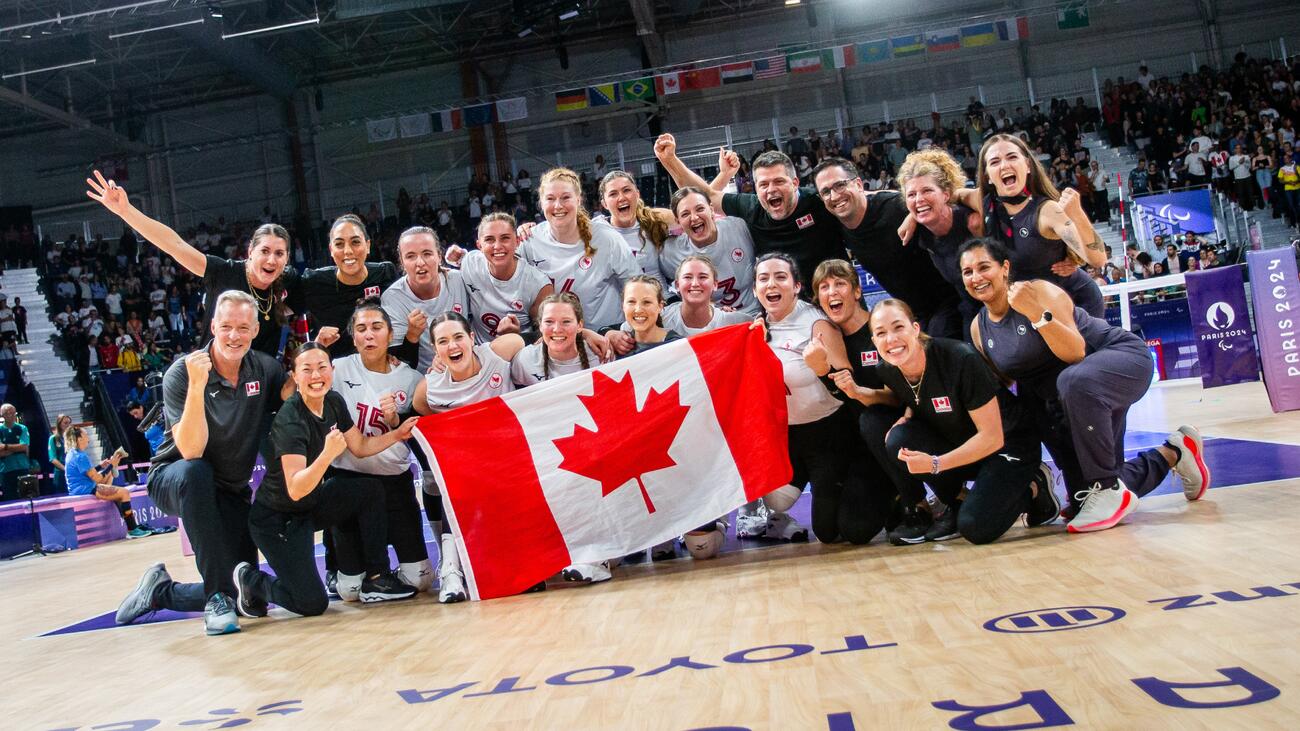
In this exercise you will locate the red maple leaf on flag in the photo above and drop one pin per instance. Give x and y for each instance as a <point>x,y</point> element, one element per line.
<point>628,442</point>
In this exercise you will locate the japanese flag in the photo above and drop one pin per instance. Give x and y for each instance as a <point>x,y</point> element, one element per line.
<point>598,464</point>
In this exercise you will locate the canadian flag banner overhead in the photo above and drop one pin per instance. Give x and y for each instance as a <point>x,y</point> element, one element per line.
<point>599,464</point>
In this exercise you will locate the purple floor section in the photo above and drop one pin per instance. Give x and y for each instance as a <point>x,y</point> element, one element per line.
<point>1232,462</point>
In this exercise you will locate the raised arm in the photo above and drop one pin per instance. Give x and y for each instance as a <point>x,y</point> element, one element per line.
<point>1055,222</point>
<point>190,432</point>
<point>1035,297</point>
<point>113,197</point>
<point>666,152</point>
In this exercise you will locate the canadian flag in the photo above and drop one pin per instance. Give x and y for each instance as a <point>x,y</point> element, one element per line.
<point>601,463</point>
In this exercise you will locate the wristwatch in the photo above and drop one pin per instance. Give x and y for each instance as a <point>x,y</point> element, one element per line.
<point>934,465</point>
<point>1042,322</point>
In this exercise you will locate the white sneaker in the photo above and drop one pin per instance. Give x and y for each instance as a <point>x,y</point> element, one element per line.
<point>451,579</point>
<point>704,545</point>
<point>751,520</point>
<point>587,573</point>
<point>418,574</point>
<point>781,527</point>
<point>1102,508</point>
<point>349,586</point>
<point>1190,467</point>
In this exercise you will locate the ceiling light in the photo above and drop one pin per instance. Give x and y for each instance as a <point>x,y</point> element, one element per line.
<point>214,10</point>
<point>282,26</point>
<point>791,2</point>
<point>43,69</point>
<point>525,32</point>
<point>113,36</point>
<point>569,14</point>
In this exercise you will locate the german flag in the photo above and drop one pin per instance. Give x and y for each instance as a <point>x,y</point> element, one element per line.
<point>572,100</point>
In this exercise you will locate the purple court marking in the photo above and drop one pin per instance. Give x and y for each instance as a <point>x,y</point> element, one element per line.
<point>1232,462</point>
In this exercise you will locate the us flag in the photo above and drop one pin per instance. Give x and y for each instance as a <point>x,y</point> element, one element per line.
<point>769,68</point>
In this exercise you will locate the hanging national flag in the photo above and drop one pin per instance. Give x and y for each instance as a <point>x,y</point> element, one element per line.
<point>1070,18</point>
<point>381,130</point>
<point>638,90</point>
<point>807,61</point>
<point>844,56</point>
<point>697,79</point>
<point>873,51</point>
<point>602,95</point>
<point>478,115</point>
<point>669,83</point>
<point>414,125</point>
<point>978,35</point>
<point>769,68</point>
<point>447,120</point>
<point>905,46</point>
<point>509,110</point>
<point>945,39</point>
<point>1013,29</point>
<point>602,463</point>
<point>568,101</point>
<point>735,73</point>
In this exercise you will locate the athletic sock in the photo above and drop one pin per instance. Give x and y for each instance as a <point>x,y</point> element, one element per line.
<point>128,515</point>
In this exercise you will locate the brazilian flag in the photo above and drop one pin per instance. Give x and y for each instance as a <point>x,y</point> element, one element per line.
<point>639,90</point>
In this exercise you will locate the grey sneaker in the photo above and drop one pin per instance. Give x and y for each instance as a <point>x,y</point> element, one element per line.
<point>219,616</point>
<point>141,599</point>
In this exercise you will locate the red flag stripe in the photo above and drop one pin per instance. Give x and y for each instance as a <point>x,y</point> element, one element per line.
<point>749,398</point>
<point>486,471</point>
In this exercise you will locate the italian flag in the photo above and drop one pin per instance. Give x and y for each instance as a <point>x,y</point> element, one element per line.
<point>598,464</point>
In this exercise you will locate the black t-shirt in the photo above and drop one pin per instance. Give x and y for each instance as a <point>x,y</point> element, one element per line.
<point>810,235</point>
<point>906,272</point>
<point>864,358</point>
<point>956,382</point>
<point>226,274</point>
<point>236,414</point>
<point>331,302</point>
<point>296,430</point>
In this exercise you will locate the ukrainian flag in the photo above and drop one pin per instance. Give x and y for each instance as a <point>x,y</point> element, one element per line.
<point>910,45</point>
<point>983,34</point>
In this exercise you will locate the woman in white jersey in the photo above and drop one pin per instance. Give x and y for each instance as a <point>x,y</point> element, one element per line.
<point>427,288</point>
<point>504,292</point>
<point>470,373</point>
<point>376,392</point>
<point>589,261</point>
<point>560,351</point>
<point>643,228</point>
<point>822,432</point>
<point>726,241</point>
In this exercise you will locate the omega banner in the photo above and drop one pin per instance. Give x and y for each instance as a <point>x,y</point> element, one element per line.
<point>1225,341</point>
<point>1275,291</point>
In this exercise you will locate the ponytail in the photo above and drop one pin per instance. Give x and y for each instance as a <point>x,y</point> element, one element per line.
<point>565,175</point>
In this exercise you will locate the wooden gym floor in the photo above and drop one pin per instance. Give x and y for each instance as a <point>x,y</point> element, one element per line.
<point>1106,630</point>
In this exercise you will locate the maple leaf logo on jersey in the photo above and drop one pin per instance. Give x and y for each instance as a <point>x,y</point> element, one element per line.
<point>638,439</point>
<point>584,262</point>
<point>737,254</point>
<point>370,292</point>
<point>517,305</point>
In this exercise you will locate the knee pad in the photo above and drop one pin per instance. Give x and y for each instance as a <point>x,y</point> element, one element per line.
<point>418,574</point>
<point>349,586</point>
<point>782,498</point>
<point>703,546</point>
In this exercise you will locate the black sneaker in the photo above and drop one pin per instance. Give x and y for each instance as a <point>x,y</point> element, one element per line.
<point>945,526</point>
<point>332,584</point>
<point>247,603</point>
<point>385,587</point>
<point>1046,505</point>
<point>912,528</point>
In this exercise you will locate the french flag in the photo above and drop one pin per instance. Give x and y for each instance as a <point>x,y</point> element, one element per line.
<point>602,463</point>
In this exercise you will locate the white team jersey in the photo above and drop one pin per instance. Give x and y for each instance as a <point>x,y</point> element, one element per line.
<point>643,250</point>
<point>493,379</point>
<point>526,369</point>
<point>672,317</point>
<point>361,388</point>
<point>597,280</point>
<point>806,399</point>
<point>732,255</point>
<point>398,301</point>
<point>492,299</point>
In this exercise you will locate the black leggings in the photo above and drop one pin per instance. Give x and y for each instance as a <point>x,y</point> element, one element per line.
<point>1001,492</point>
<point>353,510</point>
<point>850,495</point>
<point>405,532</point>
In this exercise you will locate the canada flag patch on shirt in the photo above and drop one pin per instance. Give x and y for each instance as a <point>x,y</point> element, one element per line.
<point>252,388</point>
<point>941,404</point>
<point>804,221</point>
<point>370,292</point>
<point>870,358</point>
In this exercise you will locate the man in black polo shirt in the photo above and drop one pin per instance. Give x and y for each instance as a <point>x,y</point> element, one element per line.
<point>869,225</point>
<point>781,216</point>
<point>216,401</point>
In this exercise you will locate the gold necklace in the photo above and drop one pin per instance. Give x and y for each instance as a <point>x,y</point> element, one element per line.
<point>270,300</point>
<point>916,390</point>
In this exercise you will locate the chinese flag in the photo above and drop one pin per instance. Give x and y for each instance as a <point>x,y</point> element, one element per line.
<point>598,464</point>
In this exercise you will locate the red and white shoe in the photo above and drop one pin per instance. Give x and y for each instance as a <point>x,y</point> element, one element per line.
<point>1190,467</point>
<point>1102,507</point>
